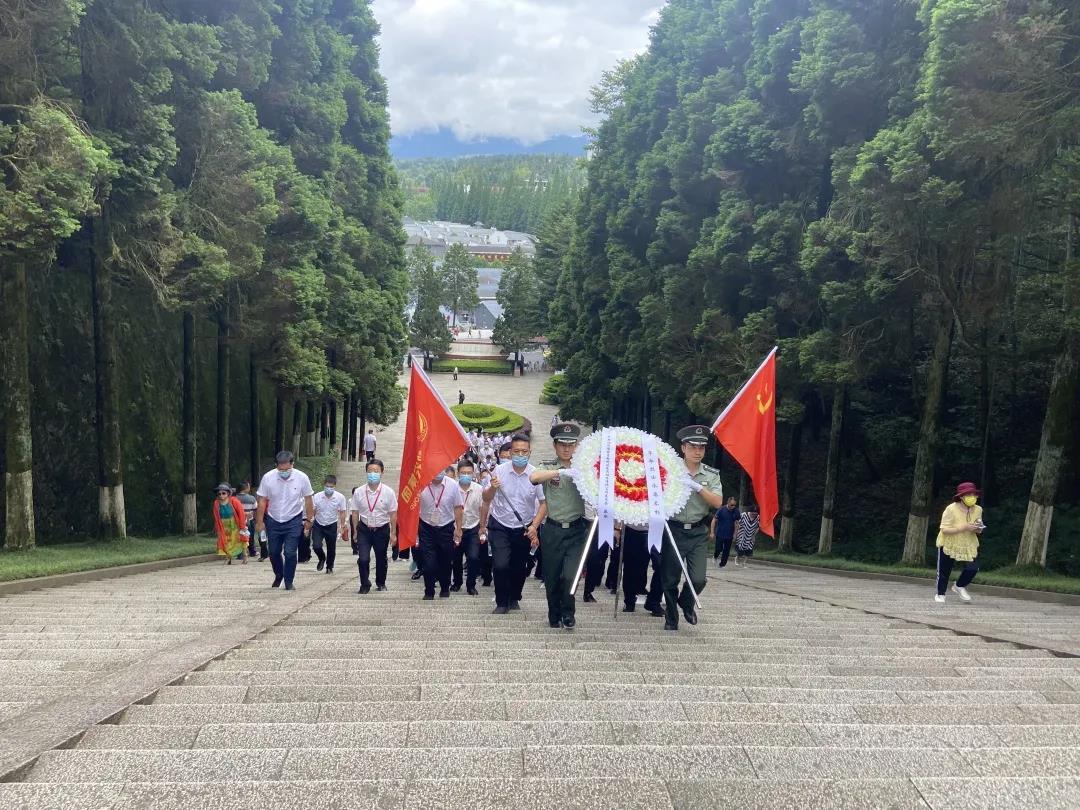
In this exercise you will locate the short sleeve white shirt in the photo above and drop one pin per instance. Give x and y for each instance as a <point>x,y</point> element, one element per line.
<point>374,507</point>
<point>437,502</point>
<point>515,492</point>
<point>285,496</point>
<point>328,508</point>
<point>472,499</point>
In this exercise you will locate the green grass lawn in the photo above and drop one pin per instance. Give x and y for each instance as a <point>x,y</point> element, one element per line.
<point>67,558</point>
<point>1031,578</point>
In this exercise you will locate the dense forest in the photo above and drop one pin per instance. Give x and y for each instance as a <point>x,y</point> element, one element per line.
<point>514,193</point>
<point>200,251</point>
<point>886,189</point>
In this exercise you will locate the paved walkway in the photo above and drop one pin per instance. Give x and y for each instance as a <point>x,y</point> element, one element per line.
<point>796,690</point>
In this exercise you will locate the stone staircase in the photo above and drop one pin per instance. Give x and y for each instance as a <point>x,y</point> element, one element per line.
<point>385,701</point>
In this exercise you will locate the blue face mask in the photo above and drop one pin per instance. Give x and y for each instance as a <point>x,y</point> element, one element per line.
<point>374,478</point>
<point>465,480</point>
<point>328,491</point>
<point>284,474</point>
<point>520,461</point>
<point>439,478</point>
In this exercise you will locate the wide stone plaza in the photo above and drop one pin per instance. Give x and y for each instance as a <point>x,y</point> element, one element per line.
<point>200,687</point>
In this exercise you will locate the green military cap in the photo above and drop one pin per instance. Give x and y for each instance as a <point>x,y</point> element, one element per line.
<point>566,432</point>
<point>694,434</point>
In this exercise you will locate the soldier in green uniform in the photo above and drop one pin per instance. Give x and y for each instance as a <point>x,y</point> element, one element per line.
<point>562,535</point>
<point>690,528</point>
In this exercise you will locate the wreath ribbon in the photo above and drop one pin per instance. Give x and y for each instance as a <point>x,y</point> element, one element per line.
<point>606,502</point>
<point>657,518</point>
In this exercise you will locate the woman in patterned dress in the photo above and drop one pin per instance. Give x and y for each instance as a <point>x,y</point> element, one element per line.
<point>232,530</point>
<point>747,537</point>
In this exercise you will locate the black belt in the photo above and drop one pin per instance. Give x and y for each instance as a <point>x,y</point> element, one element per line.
<point>675,524</point>
<point>569,525</point>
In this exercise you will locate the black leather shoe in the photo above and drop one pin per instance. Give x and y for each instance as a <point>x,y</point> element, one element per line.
<point>455,588</point>
<point>671,625</point>
<point>629,608</point>
<point>500,611</point>
<point>429,597</point>
<point>320,566</point>
<point>588,597</point>
<point>473,592</point>
<point>655,610</point>
<point>277,582</point>
<point>568,622</point>
<point>290,587</point>
<point>690,615</point>
<point>554,625</point>
<point>380,587</point>
<point>515,605</point>
<point>364,589</point>
<point>487,583</point>
<point>416,575</point>
<point>444,594</point>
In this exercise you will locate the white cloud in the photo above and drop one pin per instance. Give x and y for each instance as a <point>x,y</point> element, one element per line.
<point>503,68</point>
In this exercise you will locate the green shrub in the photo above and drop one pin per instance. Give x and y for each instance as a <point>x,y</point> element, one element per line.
<point>553,390</point>
<point>472,366</point>
<point>496,420</point>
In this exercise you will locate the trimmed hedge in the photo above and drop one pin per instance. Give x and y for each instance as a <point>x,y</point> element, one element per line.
<point>488,417</point>
<point>553,390</point>
<point>472,366</point>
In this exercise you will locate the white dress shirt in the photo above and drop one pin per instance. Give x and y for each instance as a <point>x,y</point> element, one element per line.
<point>374,506</point>
<point>369,442</point>
<point>472,500</point>
<point>515,491</point>
<point>328,508</point>
<point>285,495</point>
<point>437,502</point>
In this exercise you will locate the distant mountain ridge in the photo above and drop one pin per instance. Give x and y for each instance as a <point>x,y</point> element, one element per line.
<point>444,143</point>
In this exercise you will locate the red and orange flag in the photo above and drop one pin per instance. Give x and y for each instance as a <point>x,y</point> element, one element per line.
<point>433,440</point>
<point>747,430</point>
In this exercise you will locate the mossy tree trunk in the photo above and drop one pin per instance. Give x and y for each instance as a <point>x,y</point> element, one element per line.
<point>333,425</point>
<point>346,405</point>
<point>309,429</point>
<point>279,424</point>
<point>253,418</point>
<point>19,530</point>
<point>1062,411</point>
<point>361,431</point>
<point>786,538</point>
<point>224,369</point>
<point>832,470</point>
<point>112,517</point>
<point>187,427</point>
<point>297,426</point>
<point>923,479</point>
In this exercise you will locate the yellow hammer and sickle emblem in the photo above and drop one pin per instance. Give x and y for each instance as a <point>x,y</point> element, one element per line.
<point>423,426</point>
<point>764,406</point>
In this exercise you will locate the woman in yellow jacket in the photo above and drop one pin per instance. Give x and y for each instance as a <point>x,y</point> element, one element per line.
<point>958,541</point>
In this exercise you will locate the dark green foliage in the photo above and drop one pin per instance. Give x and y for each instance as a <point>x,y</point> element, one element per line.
<point>840,179</point>
<point>509,192</point>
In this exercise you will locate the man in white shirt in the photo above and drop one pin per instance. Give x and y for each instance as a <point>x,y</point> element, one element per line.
<point>285,511</point>
<point>374,515</point>
<point>369,446</point>
<point>330,512</point>
<point>441,513</point>
<point>514,506</point>
<point>467,552</point>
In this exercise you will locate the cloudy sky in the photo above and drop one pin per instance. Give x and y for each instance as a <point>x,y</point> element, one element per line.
<point>503,68</point>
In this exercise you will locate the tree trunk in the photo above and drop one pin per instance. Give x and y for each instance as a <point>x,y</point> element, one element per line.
<point>190,483</point>
<point>987,382</point>
<point>333,425</point>
<point>112,517</point>
<point>832,470</point>
<point>353,408</point>
<point>253,418</point>
<point>224,369</point>
<point>297,426</point>
<point>362,430</point>
<point>345,408</point>
<point>1057,430</point>
<point>786,539</point>
<point>309,426</point>
<point>923,479</point>
<point>324,427</point>
<point>19,532</point>
<point>279,424</point>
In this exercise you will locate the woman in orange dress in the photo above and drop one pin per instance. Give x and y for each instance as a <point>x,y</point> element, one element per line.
<point>232,531</point>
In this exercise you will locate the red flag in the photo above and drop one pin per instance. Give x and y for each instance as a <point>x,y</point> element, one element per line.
<point>747,430</point>
<point>433,440</point>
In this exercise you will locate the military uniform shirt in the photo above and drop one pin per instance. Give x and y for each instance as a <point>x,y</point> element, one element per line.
<point>696,508</point>
<point>564,502</point>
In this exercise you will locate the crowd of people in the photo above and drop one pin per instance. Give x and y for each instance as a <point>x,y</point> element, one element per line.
<point>493,518</point>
